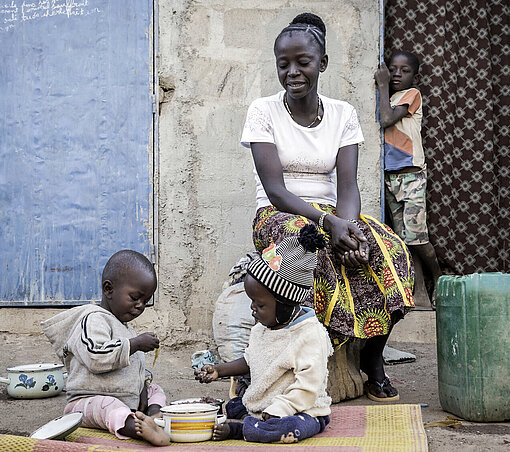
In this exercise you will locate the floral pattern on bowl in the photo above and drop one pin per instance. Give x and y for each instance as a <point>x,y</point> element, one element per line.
<point>26,382</point>
<point>51,382</point>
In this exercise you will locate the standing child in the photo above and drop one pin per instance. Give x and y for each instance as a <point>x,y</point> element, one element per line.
<point>287,353</point>
<point>404,160</point>
<point>105,357</point>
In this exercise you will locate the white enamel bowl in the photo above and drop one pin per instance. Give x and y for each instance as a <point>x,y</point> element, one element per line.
<point>59,428</point>
<point>190,422</point>
<point>35,381</point>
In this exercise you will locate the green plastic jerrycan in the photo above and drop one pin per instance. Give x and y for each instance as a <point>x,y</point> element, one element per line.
<point>473,345</point>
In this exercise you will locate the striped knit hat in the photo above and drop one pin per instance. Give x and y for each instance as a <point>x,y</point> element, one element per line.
<point>286,269</point>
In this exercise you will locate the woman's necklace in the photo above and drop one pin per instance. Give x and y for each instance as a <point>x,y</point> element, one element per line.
<point>317,117</point>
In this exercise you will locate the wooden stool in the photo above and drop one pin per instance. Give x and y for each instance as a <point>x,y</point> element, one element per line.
<point>345,381</point>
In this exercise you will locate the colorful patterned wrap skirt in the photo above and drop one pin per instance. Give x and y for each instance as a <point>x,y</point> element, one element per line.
<point>351,302</point>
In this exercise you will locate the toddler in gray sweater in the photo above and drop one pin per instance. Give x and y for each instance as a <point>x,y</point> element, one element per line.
<point>105,357</point>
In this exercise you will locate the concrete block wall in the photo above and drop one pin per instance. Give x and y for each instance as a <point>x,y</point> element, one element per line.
<point>215,58</point>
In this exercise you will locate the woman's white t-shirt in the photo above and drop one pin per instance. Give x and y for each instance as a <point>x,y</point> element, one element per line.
<point>308,155</point>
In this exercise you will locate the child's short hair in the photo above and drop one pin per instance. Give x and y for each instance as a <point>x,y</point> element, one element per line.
<point>414,62</point>
<point>125,260</point>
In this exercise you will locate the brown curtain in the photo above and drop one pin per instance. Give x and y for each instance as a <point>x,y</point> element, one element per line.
<point>464,49</point>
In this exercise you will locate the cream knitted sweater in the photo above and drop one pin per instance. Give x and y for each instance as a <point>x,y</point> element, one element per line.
<point>289,369</point>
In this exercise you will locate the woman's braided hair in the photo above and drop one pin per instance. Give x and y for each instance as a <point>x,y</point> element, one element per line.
<point>309,23</point>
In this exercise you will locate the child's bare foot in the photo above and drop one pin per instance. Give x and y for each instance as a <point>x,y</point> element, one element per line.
<point>149,431</point>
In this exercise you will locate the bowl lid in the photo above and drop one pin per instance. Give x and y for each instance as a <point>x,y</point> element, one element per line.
<point>35,367</point>
<point>59,427</point>
<point>189,408</point>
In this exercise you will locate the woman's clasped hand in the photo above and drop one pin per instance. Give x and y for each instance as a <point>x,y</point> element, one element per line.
<point>347,240</point>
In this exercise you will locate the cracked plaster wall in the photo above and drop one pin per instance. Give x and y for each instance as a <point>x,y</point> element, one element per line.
<point>215,57</point>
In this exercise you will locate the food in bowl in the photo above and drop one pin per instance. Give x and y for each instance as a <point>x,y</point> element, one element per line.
<point>210,400</point>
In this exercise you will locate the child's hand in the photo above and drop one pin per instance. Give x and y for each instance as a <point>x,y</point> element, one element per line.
<point>382,75</point>
<point>206,374</point>
<point>145,342</point>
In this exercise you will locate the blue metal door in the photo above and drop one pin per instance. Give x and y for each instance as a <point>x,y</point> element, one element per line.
<point>76,116</point>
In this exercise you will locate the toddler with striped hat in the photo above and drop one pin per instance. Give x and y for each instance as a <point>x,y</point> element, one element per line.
<point>287,352</point>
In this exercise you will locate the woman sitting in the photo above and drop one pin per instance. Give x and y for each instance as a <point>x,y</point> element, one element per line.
<point>363,282</point>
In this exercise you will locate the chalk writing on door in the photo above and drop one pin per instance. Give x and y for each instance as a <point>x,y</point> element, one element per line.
<point>15,11</point>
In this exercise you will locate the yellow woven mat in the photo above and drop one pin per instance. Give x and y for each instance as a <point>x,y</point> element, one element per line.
<point>373,428</point>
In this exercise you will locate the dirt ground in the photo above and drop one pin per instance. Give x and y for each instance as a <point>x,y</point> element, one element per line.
<point>417,383</point>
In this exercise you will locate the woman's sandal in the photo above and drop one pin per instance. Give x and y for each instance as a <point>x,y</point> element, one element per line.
<point>381,391</point>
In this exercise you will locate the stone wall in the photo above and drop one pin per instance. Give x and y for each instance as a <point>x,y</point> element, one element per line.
<point>215,58</point>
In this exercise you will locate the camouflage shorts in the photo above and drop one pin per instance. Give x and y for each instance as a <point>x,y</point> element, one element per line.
<point>405,197</point>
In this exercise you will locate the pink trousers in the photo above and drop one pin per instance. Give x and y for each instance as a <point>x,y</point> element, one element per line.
<point>109,413</point>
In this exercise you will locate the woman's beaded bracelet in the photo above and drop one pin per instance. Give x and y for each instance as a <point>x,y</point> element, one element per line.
<point>321,220</point>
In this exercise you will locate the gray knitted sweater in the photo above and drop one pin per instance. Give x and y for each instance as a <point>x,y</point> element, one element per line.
<point>94,346</point>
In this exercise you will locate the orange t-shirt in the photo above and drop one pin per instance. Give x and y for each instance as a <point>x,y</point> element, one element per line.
<point>402,141</point>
